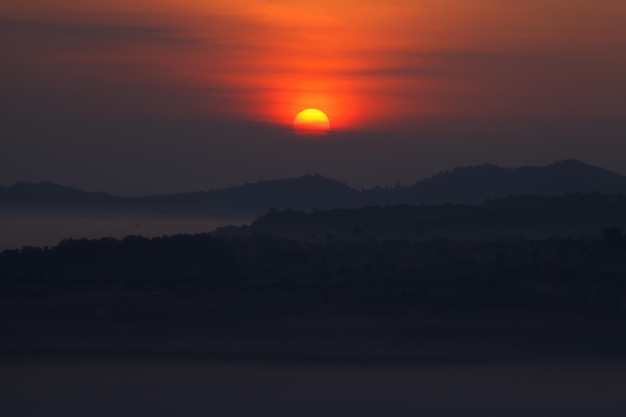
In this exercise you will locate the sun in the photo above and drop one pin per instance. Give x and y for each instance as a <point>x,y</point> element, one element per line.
<point>311,122</point>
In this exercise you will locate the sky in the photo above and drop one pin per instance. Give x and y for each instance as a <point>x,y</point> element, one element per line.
<point>140,97</point>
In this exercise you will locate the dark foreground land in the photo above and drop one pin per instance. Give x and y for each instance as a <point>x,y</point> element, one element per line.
<point>261,325</point>
<point>107,297</point>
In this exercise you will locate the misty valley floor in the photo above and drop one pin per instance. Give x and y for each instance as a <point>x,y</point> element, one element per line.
<point>197,388</point>
<point>401,363</point>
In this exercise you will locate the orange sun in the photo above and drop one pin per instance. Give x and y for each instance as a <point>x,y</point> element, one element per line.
<point>311,122</point>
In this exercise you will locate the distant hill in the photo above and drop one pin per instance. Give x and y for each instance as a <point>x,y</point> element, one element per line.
<point>474,185</point>
<point>306,192</point>
<point>466,185</point>
<point>47,193</point>
<point>535,217</point>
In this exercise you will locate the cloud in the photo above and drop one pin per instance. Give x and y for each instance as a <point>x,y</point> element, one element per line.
<point>428,64</point>
<point>398,71</point>
<point>93,32</point>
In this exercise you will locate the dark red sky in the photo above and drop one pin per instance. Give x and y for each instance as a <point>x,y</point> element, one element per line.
<point>157,96</point>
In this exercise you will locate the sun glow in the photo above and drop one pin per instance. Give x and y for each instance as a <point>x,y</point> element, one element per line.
<point>311,122</point>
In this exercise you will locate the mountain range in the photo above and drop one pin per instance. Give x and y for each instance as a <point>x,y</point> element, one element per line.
<point>464,185</point>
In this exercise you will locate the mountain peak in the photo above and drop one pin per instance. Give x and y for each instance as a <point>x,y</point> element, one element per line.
<point>475,184</point>
<point>570,162</point>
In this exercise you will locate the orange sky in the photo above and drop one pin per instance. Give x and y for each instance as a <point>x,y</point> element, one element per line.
<point>138,96</point>
<point>368,65</point>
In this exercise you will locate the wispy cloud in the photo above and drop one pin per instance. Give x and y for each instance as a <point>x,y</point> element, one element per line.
<point>94,32</point>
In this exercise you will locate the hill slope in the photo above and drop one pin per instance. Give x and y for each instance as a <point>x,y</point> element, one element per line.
<point>474,185</point>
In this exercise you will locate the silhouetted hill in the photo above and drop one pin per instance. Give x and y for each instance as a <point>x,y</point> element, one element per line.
<point>473,185</point>
<point>271,276</point>
<point>306,192</point>
<point>46,193</point>
<point>468,185</point>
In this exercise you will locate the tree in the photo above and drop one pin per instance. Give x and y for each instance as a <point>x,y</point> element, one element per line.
<point>613,236</point>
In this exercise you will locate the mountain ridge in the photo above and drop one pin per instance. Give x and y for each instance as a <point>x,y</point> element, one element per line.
<point>477,183</point>
<point>460,185</point>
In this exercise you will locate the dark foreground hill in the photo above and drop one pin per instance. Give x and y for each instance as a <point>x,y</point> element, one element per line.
<point>469,185</point>
<point>330,300</point>
<point>491,247</point>
<point>266,276</point>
